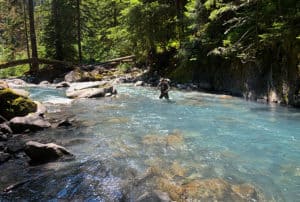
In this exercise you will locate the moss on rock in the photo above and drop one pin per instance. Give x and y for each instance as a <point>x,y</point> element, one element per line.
<point>13,104</point>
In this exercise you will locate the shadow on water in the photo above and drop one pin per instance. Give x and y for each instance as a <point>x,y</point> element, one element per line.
<point>89,181</point>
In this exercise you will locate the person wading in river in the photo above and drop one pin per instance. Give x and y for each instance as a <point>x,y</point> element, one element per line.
<point>164,88</point>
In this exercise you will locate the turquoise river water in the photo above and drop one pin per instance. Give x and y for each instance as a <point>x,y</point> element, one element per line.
<point>193,136</point>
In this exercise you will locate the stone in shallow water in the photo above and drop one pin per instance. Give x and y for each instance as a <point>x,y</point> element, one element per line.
<point>32,122</point>
<point>4,157</point>
<point>173,139</point>
<point>155,195</point>
<point>208,190</point>
<point>177,169</point>
<point>90,92</point>
<point>117,120</point>
<point>40,153</point>
<point>5,129</point>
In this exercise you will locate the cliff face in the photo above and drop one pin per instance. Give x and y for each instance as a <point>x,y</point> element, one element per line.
<point>274,75</point>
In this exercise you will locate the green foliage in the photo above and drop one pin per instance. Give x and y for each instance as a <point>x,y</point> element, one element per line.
<point>12,35</point>
<point>182,74</point>
<point>14,71</point>
<point>60,36</point>
<point>124,67</point>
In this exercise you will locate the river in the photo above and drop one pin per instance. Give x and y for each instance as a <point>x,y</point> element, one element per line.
<point>193,136</point>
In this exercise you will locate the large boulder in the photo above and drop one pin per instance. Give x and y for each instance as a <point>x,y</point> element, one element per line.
<point>41,153</point>
<point>85,85</point>
<point>32,122</point>
<point>90,90</point>
<point>14,104</point>
<point>78,75</point>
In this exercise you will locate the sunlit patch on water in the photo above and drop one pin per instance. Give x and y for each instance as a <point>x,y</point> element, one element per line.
<point>196,146</point>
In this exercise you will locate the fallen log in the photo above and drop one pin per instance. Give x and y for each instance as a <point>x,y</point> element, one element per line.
<point>30,60</point>
<point>14,63</point>
<point>121,59</point>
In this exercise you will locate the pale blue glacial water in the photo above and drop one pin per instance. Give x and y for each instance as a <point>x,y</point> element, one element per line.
<point>228,138</point>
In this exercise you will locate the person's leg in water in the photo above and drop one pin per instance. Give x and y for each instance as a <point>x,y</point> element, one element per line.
<point>167,95</point>
<point>164,95</point>
<point>161,96</point>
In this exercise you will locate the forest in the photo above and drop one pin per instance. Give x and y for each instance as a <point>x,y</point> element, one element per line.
<point>247,48</point>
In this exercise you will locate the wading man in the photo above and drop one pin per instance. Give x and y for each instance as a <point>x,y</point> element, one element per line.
<point>164,87</point>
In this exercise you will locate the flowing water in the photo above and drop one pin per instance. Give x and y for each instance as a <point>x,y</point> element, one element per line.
<point>194,136</point>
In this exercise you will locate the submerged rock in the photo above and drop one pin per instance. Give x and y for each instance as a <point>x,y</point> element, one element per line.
<point>156,195</point>
<point>63,123</point>
<point>208,190</point>
<point>4,157</point>
<point>42,153</point>
<point>15,144</point>
<point>32,122</point>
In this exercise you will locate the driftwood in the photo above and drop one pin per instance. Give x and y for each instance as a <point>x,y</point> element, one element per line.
<point>65,63</point>
<point>129,58</point>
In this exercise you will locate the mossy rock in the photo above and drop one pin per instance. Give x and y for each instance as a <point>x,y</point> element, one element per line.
<point>13,105</point>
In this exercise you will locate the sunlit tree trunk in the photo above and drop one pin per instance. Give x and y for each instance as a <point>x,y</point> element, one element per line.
<point>79,32</point>
<point>26,30</point>
<point>35,65</point>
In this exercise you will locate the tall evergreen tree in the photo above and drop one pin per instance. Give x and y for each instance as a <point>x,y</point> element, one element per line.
<point>61,31</point>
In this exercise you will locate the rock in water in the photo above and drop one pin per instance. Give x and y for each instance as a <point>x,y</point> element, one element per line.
<point>41,109</point>
<point>42,153</point>
<point>90,92</point>
<point>44,83</point>
<point>5,129</point>
<point>4,157</point>
<point>139,83</point>
<point>32,122</point>
<point>63,84</point>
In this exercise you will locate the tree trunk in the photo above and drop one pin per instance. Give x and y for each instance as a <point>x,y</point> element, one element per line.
<point>79,32</point>
<point>26,30</point>
<point>35,64</point>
